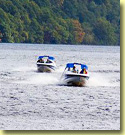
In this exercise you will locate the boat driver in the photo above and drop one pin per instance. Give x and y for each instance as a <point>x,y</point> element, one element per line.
<point>48,61</point>
<point>74,70</point>
<point>69,69</point>
<point>83,71</point>
<point>41,61</point>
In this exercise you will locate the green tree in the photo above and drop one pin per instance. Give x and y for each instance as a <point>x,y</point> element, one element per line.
<point>60,21</point>
<point>105,32</point>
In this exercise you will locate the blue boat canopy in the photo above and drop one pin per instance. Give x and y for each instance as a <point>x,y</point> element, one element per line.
<point>71,65</point>
<point>49,57</point>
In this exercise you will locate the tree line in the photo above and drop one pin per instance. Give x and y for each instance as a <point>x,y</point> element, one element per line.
<point>88,22</point>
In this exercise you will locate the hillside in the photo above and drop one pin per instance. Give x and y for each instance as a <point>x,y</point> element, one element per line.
<point>60,21</point>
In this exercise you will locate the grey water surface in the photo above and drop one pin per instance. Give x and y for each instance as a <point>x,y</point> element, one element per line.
<point>36,101</point>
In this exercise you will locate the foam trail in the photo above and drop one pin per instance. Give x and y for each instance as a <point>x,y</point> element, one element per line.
<point>98,80</point>
<point>41,79</point>
<point>24,69</point>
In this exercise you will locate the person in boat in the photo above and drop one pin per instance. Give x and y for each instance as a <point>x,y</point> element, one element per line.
<point>83,71</point>
<point>77,71</point>
<point>41,61</point>
<point>69,69</point>
<point>48,61</point>
<point>74,70</point>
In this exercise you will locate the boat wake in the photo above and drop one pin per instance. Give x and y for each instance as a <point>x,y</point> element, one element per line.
<point>24,69</point>
<point>41,79</point>
<point>32,77</point>
<point>97,79</point>
<point>29,75</point>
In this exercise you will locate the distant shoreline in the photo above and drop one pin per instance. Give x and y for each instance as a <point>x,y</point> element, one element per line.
<point>58,44</point>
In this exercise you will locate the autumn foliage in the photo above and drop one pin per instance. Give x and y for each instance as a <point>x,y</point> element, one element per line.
<point>60,21</point>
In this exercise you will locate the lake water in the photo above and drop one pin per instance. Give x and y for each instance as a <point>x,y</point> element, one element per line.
<point>36,101</point>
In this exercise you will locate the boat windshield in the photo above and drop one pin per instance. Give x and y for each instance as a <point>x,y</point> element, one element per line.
<point>45,59</point>
<point>77,68</point>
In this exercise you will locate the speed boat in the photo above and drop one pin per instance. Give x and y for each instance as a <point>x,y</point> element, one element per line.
<point>75,74</point>
<point>46,64</point>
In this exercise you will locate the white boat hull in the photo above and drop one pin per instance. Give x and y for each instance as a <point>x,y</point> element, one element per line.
<point>75,79</point>
<point>43,67</point>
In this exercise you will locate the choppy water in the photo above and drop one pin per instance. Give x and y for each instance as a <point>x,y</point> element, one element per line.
<point>35,101</point>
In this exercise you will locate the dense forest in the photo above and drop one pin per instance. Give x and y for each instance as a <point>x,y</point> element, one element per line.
<point>88,22</point>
